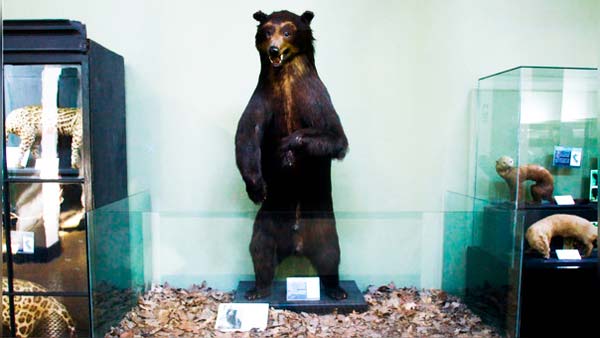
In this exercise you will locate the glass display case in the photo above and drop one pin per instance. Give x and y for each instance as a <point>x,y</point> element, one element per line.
<point>536,155</point>
<point>186,262</point>
<point>474,248</point>
<point>64,154</point>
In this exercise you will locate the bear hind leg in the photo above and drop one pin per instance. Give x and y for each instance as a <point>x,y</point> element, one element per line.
<point>262,250</point>
<point>326,262</point>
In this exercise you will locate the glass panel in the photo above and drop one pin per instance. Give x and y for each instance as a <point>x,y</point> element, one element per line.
<point>48,236</point>
<point>494,251</point>
<point>188,248</point>
<point>37,95</point>
<point>4,264</point>
<point>559,108</point>
<point>62,315</point>
<point>120,258</point>
<point>497,133</point>
<point>537,138</point>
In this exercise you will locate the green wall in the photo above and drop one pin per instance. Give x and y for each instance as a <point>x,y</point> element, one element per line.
<point>400,73</point>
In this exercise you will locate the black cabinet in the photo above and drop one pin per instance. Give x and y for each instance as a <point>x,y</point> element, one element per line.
<point>556,295</point>
<point>549,297</point>
<point>64,150</point>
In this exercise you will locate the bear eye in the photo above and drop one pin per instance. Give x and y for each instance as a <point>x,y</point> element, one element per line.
<point>286,34</point>
<point>268,34</point>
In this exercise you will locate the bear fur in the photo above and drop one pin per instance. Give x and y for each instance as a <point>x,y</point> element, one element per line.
<point>285,141</point>
<point>544,182</point>
<point>541,232</point>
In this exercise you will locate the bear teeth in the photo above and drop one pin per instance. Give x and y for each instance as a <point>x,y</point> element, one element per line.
<point>277,61</point>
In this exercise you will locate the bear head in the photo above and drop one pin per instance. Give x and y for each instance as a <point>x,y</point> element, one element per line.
<point>283,35</point>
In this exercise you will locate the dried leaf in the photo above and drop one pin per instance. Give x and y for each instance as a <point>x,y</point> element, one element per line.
<point>393,312</point>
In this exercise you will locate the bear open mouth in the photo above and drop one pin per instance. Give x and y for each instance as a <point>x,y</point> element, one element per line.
<point>278,60</point>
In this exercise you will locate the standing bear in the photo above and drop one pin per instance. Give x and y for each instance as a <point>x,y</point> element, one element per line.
<point>285,141</point>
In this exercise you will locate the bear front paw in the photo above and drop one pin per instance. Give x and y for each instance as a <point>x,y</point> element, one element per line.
<point>293,141</point>
<point>288,159</point>
<point>257,192</point>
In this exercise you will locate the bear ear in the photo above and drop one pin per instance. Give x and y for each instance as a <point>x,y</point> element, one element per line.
<point>307,17</point>
<point>260,16</point>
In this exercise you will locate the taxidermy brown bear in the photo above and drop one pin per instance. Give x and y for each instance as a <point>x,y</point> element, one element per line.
<point>544,182</point>
<point>285,141</point>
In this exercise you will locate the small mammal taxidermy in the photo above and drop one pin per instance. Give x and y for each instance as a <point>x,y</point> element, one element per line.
<point>544,182</point>
<point>541,232</point>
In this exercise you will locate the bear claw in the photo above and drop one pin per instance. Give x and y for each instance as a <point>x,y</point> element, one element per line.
<point>336,293</point>
<point>255,293</point>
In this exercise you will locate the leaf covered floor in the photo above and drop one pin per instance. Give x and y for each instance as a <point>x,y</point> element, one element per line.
<point>393,312</point>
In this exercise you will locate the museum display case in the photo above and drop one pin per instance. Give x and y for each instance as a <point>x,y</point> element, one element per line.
<point>64,154</point>
<point>186,263</point>
<point>536,154</point>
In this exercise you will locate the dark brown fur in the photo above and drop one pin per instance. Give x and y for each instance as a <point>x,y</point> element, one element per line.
<point>286,138</point>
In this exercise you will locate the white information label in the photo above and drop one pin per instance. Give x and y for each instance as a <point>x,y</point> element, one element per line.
<point>575,157</point>
<point>568,254</point>
<point>242,316</point>
<point>22,242</point>
<point>303,288</point>
<point>12,157</point>
<point>564,200</point>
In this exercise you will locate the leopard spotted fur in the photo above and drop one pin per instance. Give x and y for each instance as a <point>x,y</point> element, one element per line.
<point>26,122</point>
<point>30,311</point>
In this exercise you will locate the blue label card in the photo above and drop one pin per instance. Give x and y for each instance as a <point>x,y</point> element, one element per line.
<point>303,288</point>
<point>567,156</point>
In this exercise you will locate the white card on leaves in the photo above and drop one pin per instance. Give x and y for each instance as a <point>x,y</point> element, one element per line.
<point>242,316</point>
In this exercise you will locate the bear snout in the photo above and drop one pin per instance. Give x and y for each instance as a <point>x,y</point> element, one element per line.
<point>273,51</point>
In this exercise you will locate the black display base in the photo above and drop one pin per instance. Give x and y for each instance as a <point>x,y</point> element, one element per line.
<point>277,299</point>
<point>556,295</point>
<point>553,293</point>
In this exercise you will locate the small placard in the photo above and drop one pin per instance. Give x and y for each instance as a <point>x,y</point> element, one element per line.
<point>12,157</point>
<point>303,288</point>
<point>568,254</point>
<point>564,200</point>
<point>242,316</point>
<point>22,242</point>
<point>567,156</point>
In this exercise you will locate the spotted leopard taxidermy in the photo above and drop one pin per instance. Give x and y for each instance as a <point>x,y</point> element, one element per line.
<point>37,316</point>
<point>26,123</point>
